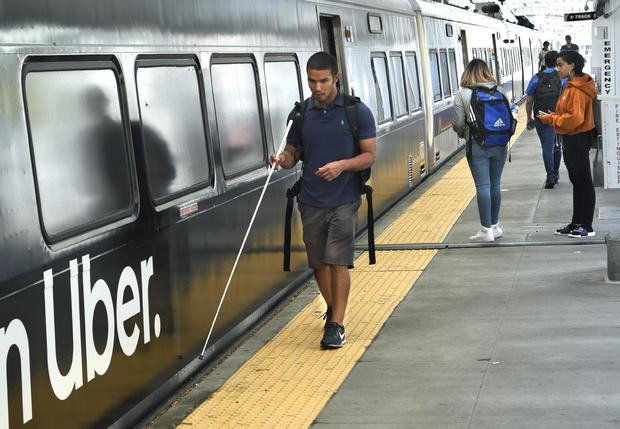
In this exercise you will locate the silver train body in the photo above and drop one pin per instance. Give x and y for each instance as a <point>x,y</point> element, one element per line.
<point>135,142</point>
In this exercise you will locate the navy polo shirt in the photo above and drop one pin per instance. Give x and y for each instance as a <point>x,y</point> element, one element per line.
<point>327,137</point>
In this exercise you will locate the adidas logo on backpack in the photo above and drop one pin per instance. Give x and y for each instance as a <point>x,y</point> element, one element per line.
<point>492,123</point>
<point>499,123</point>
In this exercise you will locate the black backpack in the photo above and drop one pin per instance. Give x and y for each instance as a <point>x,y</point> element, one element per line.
<point>350,109</point>
<point>547,91</point>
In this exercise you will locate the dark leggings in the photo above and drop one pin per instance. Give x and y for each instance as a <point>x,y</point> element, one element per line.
<point>576,150</point>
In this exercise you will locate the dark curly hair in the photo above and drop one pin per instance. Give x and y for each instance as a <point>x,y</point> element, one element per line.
<point>573,57</point>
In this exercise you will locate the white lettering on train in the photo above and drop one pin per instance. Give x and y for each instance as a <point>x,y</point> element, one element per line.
<point>15,334</point>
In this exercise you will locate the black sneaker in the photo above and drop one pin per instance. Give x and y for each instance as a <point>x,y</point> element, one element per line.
<point>565,230</point>
<point>326,316</point>
<point>333,337</point>
<point>580,232</point>
<point>556,179</point>
<point>550,182</point>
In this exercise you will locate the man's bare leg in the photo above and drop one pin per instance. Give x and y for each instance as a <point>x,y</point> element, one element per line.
<point>341,283</point>
<point>323,277</point>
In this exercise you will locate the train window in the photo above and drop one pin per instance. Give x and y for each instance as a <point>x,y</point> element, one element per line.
<point>453,72</point>
<point>382,88</point>
<point>491,62</point>
<point>398,84</point>
<point>449,30</point>
<point>435,82</point>
<point>413,87</point>
<point>445,73</point>
<point>238,116</point>
<point>173,131</point>
<point>508,62</point>
<point>374,24</point>
<point>515,57</point>
<point>79,143</point>
<point>283,90</point>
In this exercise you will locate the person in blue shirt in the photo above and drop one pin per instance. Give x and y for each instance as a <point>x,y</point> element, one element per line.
<point>543,92</point>
<point>330,185</point>
<point>569,46</point>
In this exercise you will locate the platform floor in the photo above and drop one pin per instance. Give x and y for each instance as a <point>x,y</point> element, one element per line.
<point>524,334</point>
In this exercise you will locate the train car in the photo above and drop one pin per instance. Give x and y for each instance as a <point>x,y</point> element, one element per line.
<point>524,46</point>
<point>136,139</point>
<point>453,36</point>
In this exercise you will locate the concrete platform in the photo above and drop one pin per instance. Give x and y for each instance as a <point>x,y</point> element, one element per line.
<point>500,337</point>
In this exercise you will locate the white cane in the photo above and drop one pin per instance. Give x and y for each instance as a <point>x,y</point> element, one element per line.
<point>247,233</point>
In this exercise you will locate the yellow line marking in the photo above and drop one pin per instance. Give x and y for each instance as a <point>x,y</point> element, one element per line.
<point>289,381</point>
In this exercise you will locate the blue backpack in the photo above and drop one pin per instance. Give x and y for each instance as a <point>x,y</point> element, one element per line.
<point>492,123</point>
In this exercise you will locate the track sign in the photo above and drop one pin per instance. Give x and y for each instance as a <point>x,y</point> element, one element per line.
<point>579,16</point>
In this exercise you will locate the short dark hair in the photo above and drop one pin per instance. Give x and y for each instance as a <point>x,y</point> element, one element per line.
<point>573,57</point>
<point>545,43</point>
<point>568,37</point>
<point>550,58</point>
<point>323,61</point>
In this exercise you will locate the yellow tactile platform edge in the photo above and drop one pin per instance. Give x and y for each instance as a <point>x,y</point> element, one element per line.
<point>288,382</point>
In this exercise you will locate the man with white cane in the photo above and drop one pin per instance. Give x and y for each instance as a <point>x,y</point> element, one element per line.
<point>329,196</point>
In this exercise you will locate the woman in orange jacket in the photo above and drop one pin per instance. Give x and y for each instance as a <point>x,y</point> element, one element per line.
<point>574,120</point>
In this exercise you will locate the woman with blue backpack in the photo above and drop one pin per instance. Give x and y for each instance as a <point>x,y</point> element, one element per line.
<point>482,116</point>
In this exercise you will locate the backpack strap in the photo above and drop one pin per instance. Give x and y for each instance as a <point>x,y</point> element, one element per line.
<point>293,191</point>
<point>350,109</point>
<point>298,120</point>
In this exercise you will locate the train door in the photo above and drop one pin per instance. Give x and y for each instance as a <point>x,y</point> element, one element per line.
<point>332,42</point>
<point>534,60</point>
<point>521,59</point>
<point>498,69</point>
<point>464,48</point>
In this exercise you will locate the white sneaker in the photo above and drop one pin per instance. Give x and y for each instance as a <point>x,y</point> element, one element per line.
<point>498,230</point>
<point>484,235</point>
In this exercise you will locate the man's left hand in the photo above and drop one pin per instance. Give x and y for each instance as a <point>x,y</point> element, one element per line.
<point>330,171</point>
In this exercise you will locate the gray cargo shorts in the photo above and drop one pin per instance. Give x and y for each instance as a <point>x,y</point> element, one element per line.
<point>329,234</point>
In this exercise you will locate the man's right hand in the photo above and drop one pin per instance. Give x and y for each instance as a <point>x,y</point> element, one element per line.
<point>277,159</point>
<point>530,124</point>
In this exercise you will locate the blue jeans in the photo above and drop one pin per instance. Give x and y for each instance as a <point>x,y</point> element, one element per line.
<point>486,165</point>
<point>552,155</point>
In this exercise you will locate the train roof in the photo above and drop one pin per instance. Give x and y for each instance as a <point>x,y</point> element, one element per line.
<point>453,13</point>
<point>407,7</point>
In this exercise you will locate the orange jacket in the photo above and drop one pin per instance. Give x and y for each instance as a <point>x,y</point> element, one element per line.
<point>573,113</point>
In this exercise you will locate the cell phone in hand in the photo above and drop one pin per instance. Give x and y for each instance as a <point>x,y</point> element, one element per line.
<point>540,113</point>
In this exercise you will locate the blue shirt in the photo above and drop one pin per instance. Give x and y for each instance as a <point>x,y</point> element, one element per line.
<point>573,47</point>
<point>327,137</point>
<point>531,88</point>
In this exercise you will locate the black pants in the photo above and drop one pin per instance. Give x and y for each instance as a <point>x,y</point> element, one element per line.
<point>576,150</point>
